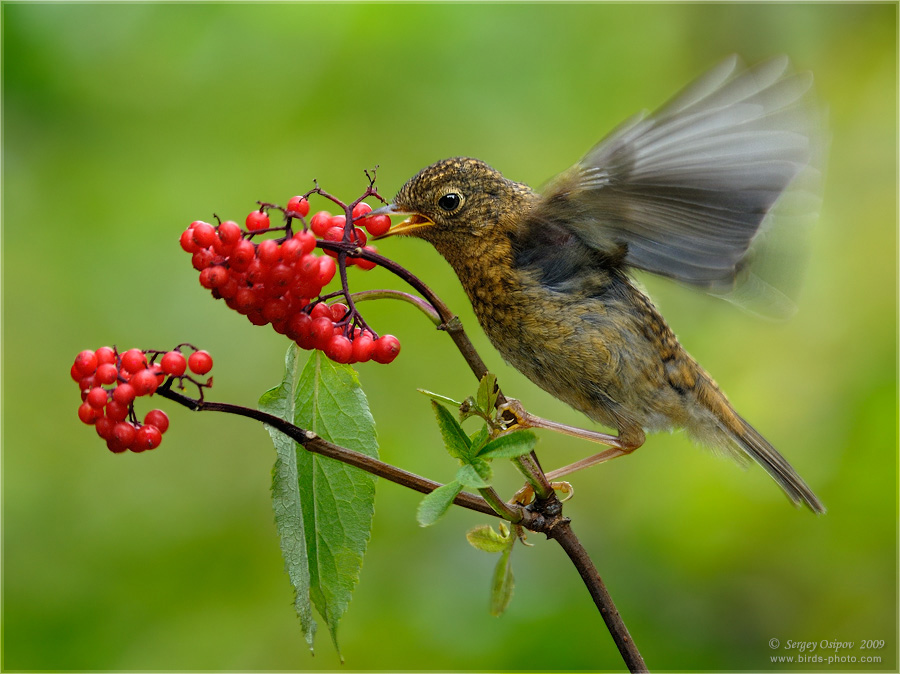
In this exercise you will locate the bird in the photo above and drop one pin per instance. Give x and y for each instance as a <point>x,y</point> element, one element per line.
<point>684,193</point>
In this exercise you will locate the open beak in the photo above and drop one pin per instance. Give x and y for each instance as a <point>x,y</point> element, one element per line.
<point>412,223</point>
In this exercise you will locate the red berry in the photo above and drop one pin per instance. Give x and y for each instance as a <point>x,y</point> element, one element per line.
<point>321,331</point>
<point>320,310</point>
<point>307,241</point>
<point>144,382</point>
<point>173,363</point>
<point>338,311</point>
<point>242,255</point>
<point>229,233</point>
<point>333,234</point>
<point>213,277</point>
<point>188,245</point>
<point>116,411</point>
<point>339,349</point>
<point>200,362</point>
<point>320,222</point>
<point>257,220</point>
<point>386,349</point>
<point>133,360</point>
<point>124,394</point>
<point>364,264</point>
<point>291,250</point>
<point>275,310</point>
<point>105,355</point>
<point>363,347</point>
<point>107,373</point>
<point>337,221</point>
<point>204,234</point>
<point>104,427</point>
<point>377,225</point>
<point>124,433</point>
<point>97,397</point>
<point>147,437</point>
<point>358,236</point>
<point>268,252</point>
<point>298,205</point>
<point>361,209</point>
<point>202,259</point>
<point>157,418</point>
<point>299,325</point>
<point>86,363</point>
<point>88,413</point>
<point>114,445</point>
<point>327,267</point>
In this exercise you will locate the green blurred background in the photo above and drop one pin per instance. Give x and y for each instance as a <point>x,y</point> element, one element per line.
<point>124,122</point>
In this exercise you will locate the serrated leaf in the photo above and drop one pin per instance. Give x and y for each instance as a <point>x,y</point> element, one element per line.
<point>439,397</point>
<point>487,393</point>
<point>455,439</point>
<point>477,475</point>
<point>337,500</point>
<point>509,446</point>
<point>486,539</point>
<point>435,504</point>
<point>279,401</point>
<point>502,584</point>
<point>478,440</point>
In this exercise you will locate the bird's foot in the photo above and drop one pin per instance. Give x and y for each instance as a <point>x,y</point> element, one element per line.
<point>526,494</point>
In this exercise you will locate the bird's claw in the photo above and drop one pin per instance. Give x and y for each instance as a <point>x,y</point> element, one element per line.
<point>526,494</point>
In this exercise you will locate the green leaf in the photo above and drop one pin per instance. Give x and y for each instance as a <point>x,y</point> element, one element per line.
<point>440,398</point>
<point>509,446</point>
<point>502,584</point>
<point>478,440</point>
<point>477,474</point>
<point>455,439</point>
<point>279,401</point>
<point>435,504</point>
<point>487,393</point>
<point>337,501</point>
<point>486,539</point>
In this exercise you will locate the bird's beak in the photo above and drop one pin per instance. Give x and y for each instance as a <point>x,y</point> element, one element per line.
<point>413,222</point>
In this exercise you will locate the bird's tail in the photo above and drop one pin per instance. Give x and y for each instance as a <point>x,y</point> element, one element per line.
<point>759,449</point>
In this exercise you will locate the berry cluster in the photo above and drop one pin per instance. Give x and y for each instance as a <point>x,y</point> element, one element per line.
<point>279,281</point>
<point>129,375</point>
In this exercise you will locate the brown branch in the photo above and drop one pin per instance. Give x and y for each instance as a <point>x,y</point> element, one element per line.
<point>544,516</point>
<point>562,533</point>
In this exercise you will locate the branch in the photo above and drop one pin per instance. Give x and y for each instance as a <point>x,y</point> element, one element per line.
<point>543,516</point>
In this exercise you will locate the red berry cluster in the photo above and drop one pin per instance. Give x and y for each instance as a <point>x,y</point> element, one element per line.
<point>128,375</point>
<point>279,281</point>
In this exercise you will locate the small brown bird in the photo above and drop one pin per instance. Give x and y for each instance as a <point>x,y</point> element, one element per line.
<point>681,193</point>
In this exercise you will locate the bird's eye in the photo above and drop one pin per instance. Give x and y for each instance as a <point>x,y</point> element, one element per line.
<point>450,201</point>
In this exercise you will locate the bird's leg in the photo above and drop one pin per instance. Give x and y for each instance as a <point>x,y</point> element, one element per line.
<point>629,439</point>
<point>524,419</point>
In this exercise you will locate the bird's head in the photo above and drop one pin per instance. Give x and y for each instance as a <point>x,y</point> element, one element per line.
<point>455,199</point>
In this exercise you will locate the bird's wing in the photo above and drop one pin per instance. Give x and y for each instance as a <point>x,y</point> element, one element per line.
<point>686,189</point>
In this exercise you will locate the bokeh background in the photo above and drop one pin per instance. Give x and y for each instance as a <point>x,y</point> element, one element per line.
<point>124,122</point>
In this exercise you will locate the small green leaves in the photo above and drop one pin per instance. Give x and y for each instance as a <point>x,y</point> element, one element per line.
<point>455,439</point>
<point>486,539</point>
<point>474,452</point>
<point>509,446</point>
<point>487,393</point>
<point>435,504</point>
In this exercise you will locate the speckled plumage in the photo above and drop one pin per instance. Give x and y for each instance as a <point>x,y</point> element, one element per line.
<point>547,274</point>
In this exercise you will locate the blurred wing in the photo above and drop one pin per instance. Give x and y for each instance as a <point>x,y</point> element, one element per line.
<point>686,189</point>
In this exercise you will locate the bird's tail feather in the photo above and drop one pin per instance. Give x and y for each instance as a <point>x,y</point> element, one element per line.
<point>759,449</point>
